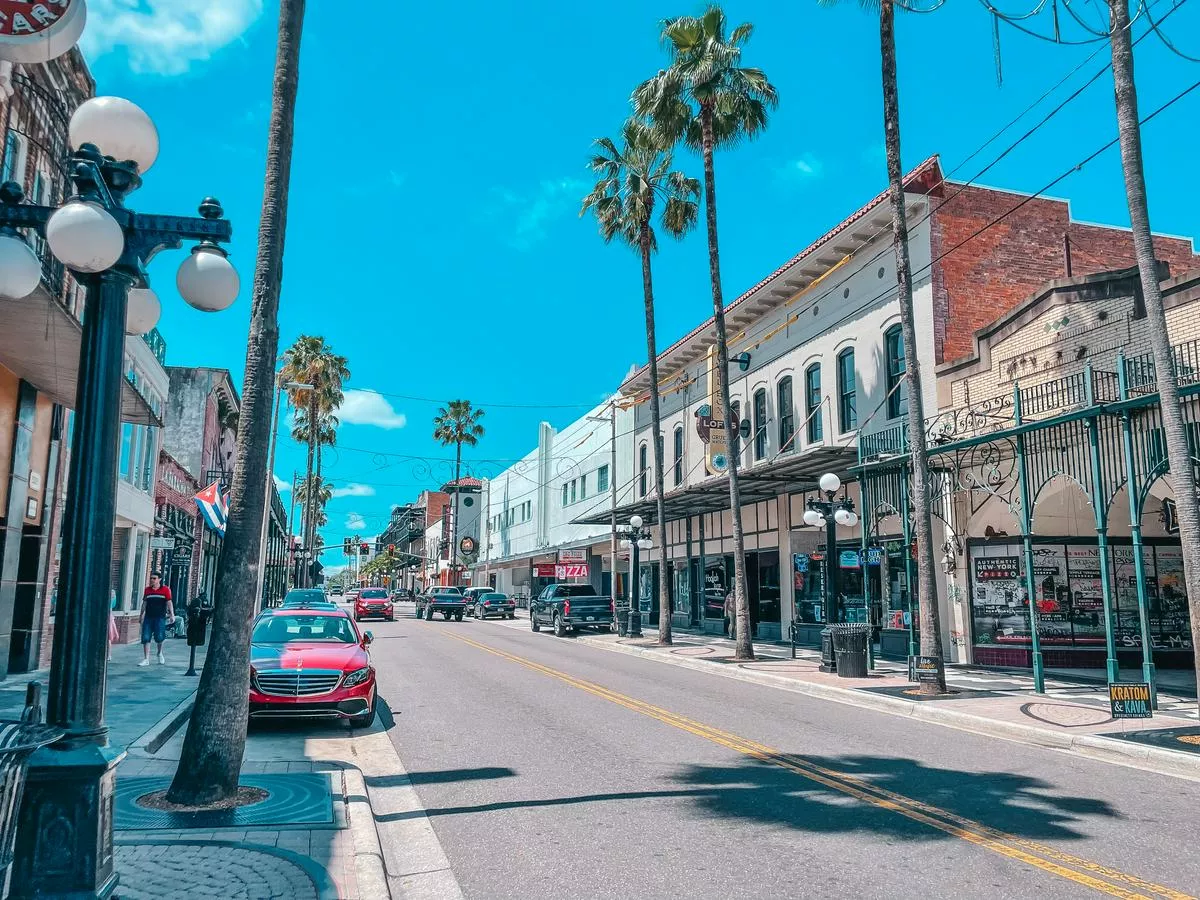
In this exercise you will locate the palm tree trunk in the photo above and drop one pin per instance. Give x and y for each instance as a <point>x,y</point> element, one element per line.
<point>310,493</point>
<point>743,648</point>
<point>931,630</point>
<point>454,516</point>
<point>211,758</point>
<point>1179,456</point>
<point>665,607</point>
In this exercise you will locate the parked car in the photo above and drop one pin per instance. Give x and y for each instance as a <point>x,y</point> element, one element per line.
<point>494,604</point>
<point>352,595</point>
<point>299,596</point>
<point>570,607</point>
<point>311,663</point>
<point>473,594</point>
<point>449,601</point>
<point>402,594</point>
<point>374,603</point>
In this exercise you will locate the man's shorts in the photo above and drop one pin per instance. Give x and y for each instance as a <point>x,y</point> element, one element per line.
<point>154,629</point>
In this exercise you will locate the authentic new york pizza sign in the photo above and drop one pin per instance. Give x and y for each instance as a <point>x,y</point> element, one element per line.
<point>36,31</point>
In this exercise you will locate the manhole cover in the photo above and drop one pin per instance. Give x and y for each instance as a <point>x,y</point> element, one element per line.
<point>1066,715</point>
<point>293,799</point>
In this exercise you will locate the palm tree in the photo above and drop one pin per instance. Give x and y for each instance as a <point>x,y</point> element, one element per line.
<point>313,500</point>
<point>632,178</point>
<point>930,613</point>
<point>457,424</point>
<point>310,361</point>
<point>1179,456</point>
<point>211,758</point>
<point>707,99</point>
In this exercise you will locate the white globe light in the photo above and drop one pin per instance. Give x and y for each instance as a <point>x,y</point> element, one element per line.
<point>626,543</point>
<point>635,521</point>
<point>842,517</point>
<point>20,269</point>
<point>830,483</point>
<point>645,543</point>
<point>207,280</point>
<point>85,237</point>
<point>120,129</point>
<point>851,518</point>
<point>811,517</point>
<point>142,312</point>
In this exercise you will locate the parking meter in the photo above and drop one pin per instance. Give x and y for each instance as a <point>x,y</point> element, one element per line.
<point>199,612</point>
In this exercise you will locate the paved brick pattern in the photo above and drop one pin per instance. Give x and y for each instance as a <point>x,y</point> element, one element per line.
<point>187,870</point>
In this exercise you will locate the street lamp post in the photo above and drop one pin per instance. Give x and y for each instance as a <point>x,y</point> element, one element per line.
<point>635,538</point>
<point>262,545</point>
<point>828,514</point>
<point>66,813</point>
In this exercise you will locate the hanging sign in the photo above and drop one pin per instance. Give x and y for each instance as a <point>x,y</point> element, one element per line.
<point>578,555</point>
<point>710,423</point>
<point>37,31</point>
<point>162,543</point>
<point>874,556</point>
<point>849,559</point>
<point>1130,700</point>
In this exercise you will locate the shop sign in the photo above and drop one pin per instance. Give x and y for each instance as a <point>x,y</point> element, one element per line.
<point>37,31</point>
<point>800,562</point>
<point>563,571</point>
<point>1130,700</point>
<point>997,568</point>
<point>544,570</point>
<point>874,556</point>
<point>162,543</point>
<point>579,555</point>
<point>923,669</point>
<point>849,559</point>
<point>710,423</point>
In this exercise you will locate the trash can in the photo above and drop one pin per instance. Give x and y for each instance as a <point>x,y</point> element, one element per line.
<point>622,613</point>
<point>850,648</point>
<point>17,741</point>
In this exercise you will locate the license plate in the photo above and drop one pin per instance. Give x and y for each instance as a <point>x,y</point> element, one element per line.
<point>590,618</point>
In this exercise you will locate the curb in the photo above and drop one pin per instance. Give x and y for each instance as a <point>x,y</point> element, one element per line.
<point>1102,749</point>
<point>164,729</point>
<point>368,852</point>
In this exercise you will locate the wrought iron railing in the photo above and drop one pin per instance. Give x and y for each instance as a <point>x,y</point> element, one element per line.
<point>157,344</point>
<point>1141,376</point>
<point>890,441</point>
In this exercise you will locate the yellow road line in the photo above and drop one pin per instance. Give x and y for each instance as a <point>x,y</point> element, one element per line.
<point>1081,871</point>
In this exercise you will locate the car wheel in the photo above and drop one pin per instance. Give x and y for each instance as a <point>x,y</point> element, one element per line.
<point>366,720</point>
<point>560,627</point>
<point>458,617</point>
<point>533,623</point>
<point>391,618</point>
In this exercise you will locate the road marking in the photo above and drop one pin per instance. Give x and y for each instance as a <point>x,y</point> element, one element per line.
<point>1041,856</point>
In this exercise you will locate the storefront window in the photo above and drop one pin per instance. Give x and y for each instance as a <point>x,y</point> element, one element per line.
<point>683,590</point>
<point>715,587</point>
<point>139,581</point>
<point>768,586</point>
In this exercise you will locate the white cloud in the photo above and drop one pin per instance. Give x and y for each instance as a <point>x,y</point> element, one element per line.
<point>354,489</point>
<point>355,522</point>
<point>803,167</point>
<point>280,485</point>
<point>529,212</point>
<point>369,408</point>
<point>166,36</point>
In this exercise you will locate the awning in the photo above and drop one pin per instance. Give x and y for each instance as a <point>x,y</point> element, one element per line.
<point>791,473</point>
<point>39,342</point>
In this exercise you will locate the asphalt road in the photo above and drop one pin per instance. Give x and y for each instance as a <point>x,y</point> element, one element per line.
<point>552,769</point>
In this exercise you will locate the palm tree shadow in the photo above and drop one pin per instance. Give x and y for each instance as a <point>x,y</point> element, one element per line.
<point>764,792</point>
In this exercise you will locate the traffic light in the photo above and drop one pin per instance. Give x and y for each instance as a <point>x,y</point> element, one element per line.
<point>364,548</point>
<point>391,549</point>
<point>348,546</point>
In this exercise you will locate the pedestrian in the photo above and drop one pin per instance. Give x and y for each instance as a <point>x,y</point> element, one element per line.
<point>113,634</point>
<point>157,609</point>
<point>730,615</point>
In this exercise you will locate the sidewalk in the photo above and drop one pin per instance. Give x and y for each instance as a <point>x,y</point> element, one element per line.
<point>313,836</point>
<point>1071,715</point>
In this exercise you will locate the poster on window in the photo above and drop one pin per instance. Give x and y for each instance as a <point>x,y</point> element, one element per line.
<point>1169,616</point>
<point>998,596</point>
<point>1085,596</point>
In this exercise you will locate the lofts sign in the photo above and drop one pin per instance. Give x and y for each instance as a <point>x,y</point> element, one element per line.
<point>37,31</point>
<point>710,424</point>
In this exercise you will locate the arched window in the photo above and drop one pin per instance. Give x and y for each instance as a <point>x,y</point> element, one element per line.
<point>893,341</point>
<point>783,408</point>
<point>760,423</point>
<point>812,401</point>
<point>643,465</point>
<point>847,391</point>
<point>678,455</point>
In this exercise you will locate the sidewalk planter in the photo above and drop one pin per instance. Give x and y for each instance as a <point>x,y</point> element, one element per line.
<point>850,649</point>
<point>17,742</point>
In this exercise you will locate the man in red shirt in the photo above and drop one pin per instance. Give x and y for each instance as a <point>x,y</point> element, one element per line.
<point>157,610</point>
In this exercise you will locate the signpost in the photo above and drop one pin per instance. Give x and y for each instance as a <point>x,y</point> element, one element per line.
<point>1130,700</point>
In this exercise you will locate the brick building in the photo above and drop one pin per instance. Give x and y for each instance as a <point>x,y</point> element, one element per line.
<point>816,363</point>
<point>177,521</point>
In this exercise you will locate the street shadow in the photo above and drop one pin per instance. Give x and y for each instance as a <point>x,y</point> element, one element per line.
<point>762,792</point>
<point>443,776</point>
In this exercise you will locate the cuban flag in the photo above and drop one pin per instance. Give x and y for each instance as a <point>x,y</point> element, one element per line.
<point>213,506</point>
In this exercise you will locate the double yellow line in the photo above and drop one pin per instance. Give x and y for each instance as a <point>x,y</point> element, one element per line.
<point>1081,871</point>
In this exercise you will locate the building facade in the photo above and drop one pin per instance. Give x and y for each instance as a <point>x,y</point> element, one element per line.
<point>816,362</point>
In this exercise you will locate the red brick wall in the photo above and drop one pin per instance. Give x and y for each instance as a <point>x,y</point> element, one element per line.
<point>992,273</point>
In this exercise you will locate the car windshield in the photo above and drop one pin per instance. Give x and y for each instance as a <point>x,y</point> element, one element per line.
<point>374,594</point>
<point>495,597</point>
<point>574,590</point>
<point>309,629</point>
<point>304,595</point>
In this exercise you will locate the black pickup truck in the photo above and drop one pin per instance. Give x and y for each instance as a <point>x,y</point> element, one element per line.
<point>569,607</point>
<point>449,601</point>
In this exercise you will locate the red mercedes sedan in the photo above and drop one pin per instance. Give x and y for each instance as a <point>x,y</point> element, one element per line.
<point>311,663</point>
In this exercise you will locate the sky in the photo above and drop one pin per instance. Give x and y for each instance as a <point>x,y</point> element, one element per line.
<point>433,229</point>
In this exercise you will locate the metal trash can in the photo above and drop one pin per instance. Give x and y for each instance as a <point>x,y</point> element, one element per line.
<point>850,648</point>
<point>18,740</point>
<point>622,614</point>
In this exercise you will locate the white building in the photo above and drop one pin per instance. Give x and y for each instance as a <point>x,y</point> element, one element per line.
<point>530,507</point>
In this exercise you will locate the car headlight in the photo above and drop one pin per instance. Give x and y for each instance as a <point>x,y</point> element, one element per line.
<point>358,676</point>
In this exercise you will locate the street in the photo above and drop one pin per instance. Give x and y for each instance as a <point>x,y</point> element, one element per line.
<point>550,768</point>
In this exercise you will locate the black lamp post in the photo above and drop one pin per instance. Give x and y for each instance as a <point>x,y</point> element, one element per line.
<point>634,538</point>
<point>828,514</point>
<point>64,835</point>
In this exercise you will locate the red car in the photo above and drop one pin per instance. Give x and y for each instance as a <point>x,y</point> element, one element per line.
<point>311,663</point>
<point>374,603</point>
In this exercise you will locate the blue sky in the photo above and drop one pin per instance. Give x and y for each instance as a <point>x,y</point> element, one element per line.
<point>439,160</point>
